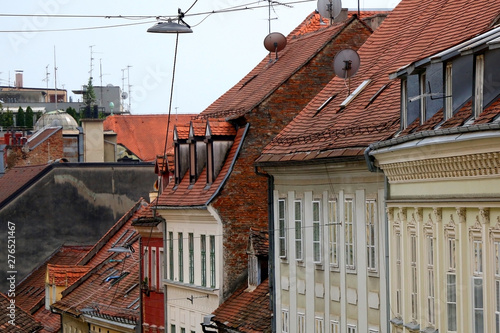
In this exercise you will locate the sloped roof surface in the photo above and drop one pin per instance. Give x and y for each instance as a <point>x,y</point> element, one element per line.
<point>258,242</point>
<point>64,275</point>
<point>198,194</point>
<point>415,29</point>
<point>24,323</point>
<point>16,178</point>
<point>144,135</point>
<point>269,74</point>
<point>246,311</point>
<point>42,135</point>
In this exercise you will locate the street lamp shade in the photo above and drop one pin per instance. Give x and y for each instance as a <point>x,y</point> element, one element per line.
<point>170,27</point>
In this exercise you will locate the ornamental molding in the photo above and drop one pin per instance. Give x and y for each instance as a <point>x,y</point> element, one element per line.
<point>451,225</point>
<point>472,165</point>
<point>495,230</point>
<point>461,214</point>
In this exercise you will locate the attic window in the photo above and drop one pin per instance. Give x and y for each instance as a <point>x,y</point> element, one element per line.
<point>355,93</point>
<point>177,163</point>
<point>210,162</point>
<point>192,162</point>
<point>377,94</point>
<point>325,104</point>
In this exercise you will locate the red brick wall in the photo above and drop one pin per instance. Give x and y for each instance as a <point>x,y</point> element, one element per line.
<point>243,202</point>
<point>48,150</point>
<point>153,305</point>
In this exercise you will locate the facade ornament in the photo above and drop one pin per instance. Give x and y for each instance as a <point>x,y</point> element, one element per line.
<point>461,214</point>
<point>418,214</point>
<point>438,214</point>
<point>485,215</point>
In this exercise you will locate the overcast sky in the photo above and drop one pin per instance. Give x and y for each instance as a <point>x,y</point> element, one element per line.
<point>222,49</point>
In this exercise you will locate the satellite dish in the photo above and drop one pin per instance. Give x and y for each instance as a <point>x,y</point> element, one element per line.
<point>329,8</point>
<point>124,95</point>
<point>275,42</point>
<point>346,63</point>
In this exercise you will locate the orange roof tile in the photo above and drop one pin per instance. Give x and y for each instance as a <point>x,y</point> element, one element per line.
<point>24,323</point>
<point>144,135</point>
<point>246,311</point>
<point>198,194</point>
<point>64,275</point>
<point>412,31</point>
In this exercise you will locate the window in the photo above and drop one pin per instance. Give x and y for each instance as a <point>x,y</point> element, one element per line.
<point>399,272</point>
<point>180,242</point>
<point>210,162</point>
<point>496,257</point>
<point>350,255</point>
<point>192,160</point>
<point>203,249</point>
<point>153,268</point>
<point>298,229</point>
<point>162,268</point>
<point>413,276</point>
<point>145,261</point>
<point>334,326</point>
<point>212,261</point>
<point>172,328</point>
<point>317,234</point>
<point>430,280</point>
<point>284,321</point>
<point>301,323</point>
<point>423,97</point>
<point>319,325</point>
<point>191,257</point>
<point>479,80</point>
<point>333,233</point>
<point>282,228</point>
<point>371,235</point>
<point>477,280</point>
<point>448,99</point>
<point>351,328</point>
<point>183,330</point>
<point>171,254</point>
<point>404,103</point>
<point>451,284</point>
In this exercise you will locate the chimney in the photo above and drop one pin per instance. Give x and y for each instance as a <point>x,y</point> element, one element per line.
<point>19,79</point>
<point>343,16</point>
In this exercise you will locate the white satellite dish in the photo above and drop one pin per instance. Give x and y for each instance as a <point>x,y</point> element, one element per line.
<point>346,63</point>
<point>124,95</point>
<point>329,8</point>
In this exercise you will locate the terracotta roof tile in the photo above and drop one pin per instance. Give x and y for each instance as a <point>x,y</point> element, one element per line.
<point>246,310</point>
<point>198,194</point>
<point>258,242</point>
<point>24,323</point>
<point>144,135</point>
<point>412,31</point>
<point>64,275</point>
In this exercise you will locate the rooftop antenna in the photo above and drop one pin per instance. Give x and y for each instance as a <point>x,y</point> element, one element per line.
<point>55,75</point>
<point>345,64</point>
<point>128,83</point>
<point>274,41</point>
<point>329,9</point>
<point>47,81</point>
<point>91,60</point>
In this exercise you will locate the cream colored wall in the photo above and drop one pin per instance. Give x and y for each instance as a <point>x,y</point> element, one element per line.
<point>93,137</point>
<point>71,324</point>
<point>180,311</point>
<point>331,293</point>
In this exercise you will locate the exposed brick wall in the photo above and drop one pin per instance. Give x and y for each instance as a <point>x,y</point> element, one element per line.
<point>243,202</point>
<point>48,150</point>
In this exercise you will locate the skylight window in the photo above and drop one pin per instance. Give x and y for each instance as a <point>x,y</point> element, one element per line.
<point>355,93</point>
<point>325,104</point>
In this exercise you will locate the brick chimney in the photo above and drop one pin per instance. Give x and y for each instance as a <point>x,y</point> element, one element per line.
<point>19,79</point>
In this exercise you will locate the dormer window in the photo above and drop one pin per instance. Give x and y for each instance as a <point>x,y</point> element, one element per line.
<point>404,103</point>
<point>177,163</point>
<point>478,85</point>
<point>448,86</point>
<point>192,155</point>
<point>210,154</point>
<point>423,97</point>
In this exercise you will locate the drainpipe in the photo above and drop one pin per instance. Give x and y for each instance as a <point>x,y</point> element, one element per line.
<point>270,213</point>
<point>373,168</point>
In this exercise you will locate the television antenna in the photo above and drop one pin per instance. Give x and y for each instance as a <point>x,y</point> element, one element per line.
<point>329,9</point>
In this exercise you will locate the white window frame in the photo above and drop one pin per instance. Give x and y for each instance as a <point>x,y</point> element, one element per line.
<point>319,325</point>
<point>162,268</point>
<point>145,262</point>
<point>282,228</point>
<point>334,326</point>
<point>479,85</point>
<point>298,227</point>
<point>333,233</point>
<point>191,257</point>
<point>317,232</point>
<point>404,103</point>
<point>154,280</point>
<point>350,234</point>
<point>477,280</point>
<point>301,322</point>
<point>423,97</point>
<point>496,259</point>
<point>399,271</point>
<point>371,235</point>
<point>203,259</point>
<point>451,279</point>
<point>448,95</point>
<point>413,244</point>
<point>180,255</point>
<point>352,328</point>
<point>285,321</point>
<point>431,291</point>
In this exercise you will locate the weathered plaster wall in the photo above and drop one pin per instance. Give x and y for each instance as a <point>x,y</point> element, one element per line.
<point>71,204</point>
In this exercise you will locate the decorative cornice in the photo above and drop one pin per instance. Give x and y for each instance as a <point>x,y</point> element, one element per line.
<point>461,214</point>
<point>438,214</point>
<point>473,165</point>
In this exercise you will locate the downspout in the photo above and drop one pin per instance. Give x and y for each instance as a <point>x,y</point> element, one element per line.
<point>270,212</point>
<point>373,168</point>
<point>138,328</point>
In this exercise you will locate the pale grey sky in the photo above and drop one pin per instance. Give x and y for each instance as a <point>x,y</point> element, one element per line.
<point>222,49</point>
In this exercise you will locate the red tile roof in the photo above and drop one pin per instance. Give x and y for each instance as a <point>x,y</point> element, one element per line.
<point>17,179</point>
<point>43,135</point>
<point>31,290</point>
<point>144,135</point>
<point>198,194</point>
<point>270,74</point>
<point>246,310</point>
<point>412,31</point>
<point>64,275</point>
<point>24,323</point>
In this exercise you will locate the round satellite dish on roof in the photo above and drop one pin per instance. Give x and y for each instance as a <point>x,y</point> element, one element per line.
<point>275,42</point>
<point>124,95</point>
<point>329,8</point>
<point>346,63</point>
